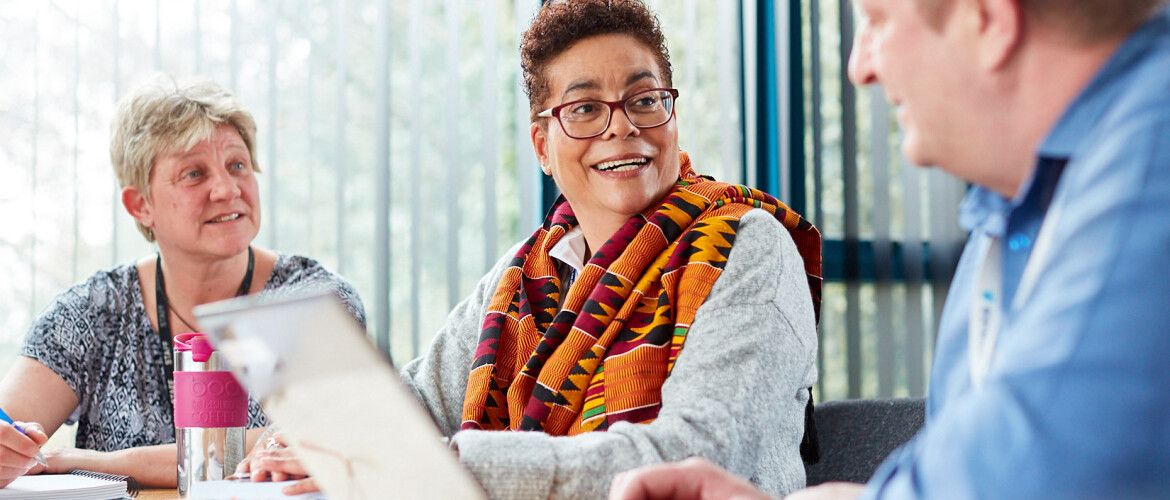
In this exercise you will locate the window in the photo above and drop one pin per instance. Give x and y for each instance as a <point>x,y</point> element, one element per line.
<point>891,240</point>
<point>365,170</point>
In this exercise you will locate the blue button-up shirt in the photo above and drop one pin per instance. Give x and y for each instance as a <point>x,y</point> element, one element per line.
<point>1076,403</point>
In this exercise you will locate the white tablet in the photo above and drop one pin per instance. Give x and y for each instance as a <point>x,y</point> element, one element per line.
<point>358,430</point>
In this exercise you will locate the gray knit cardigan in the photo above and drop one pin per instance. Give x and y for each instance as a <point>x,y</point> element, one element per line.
<point>736,396</point>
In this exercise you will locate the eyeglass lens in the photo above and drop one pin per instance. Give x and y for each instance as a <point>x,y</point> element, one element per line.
<point>645,110</point>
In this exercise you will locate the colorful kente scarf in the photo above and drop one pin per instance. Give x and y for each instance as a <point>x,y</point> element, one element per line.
<point>604,356</point>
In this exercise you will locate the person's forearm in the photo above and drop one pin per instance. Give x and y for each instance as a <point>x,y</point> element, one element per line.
<point>155,465</point>
<point>152,466</point>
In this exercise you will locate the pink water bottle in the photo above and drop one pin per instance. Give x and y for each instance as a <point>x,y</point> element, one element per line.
<point>211,413</point>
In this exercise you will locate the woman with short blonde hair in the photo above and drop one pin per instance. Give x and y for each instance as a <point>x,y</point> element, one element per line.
<point>184,153</point>
<point>163,117</point>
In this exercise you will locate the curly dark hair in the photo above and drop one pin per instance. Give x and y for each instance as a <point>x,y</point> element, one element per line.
<point>560,25</point>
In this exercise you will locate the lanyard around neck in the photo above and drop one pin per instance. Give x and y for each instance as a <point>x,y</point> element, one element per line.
<point>164,324</point>
<point>983,325</point>
<point>986,310</point>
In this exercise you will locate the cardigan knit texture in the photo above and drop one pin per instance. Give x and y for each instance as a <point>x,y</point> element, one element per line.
<point>736,395</point>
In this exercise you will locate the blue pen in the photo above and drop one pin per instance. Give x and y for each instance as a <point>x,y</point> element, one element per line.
<point>40,458</point>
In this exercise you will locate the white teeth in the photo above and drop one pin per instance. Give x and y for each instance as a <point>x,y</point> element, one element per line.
<point>621,165</point>
<point>226,218</point>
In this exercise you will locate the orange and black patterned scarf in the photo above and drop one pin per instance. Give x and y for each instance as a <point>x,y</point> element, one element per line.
<point>604,356</point>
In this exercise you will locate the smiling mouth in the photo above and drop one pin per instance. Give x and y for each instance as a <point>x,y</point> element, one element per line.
<point>225,218</point>
<point>622,165</point>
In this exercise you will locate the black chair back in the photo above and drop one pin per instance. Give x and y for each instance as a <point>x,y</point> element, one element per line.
<point>855,435</point>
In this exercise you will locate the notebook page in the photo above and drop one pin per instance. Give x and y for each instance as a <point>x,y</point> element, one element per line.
<point>63,487</point>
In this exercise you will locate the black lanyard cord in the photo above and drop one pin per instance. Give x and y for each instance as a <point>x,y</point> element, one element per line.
<point>164,326</point>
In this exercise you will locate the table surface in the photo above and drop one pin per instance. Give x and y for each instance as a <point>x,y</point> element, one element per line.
<point>157,494</point>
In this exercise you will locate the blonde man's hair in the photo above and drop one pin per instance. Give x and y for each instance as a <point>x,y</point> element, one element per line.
<point>1085,21</point>
<point>165,116</point>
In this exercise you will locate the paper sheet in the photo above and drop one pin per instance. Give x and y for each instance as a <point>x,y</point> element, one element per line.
<point>244,490</point>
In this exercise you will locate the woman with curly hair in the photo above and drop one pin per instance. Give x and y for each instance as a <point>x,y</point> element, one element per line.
<point>655,315</point>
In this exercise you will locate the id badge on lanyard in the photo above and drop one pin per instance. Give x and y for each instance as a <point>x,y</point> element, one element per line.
<point>987,310</point>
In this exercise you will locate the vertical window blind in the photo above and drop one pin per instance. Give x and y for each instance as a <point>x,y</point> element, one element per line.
<point>394,142</point>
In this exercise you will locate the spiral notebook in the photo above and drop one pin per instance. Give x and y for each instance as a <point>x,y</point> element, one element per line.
<point>75,485</point>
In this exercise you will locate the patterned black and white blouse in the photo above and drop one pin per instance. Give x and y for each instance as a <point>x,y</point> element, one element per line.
<point>98,338</point>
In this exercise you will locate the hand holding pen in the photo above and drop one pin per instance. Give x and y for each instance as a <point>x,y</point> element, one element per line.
<point>39,457</point>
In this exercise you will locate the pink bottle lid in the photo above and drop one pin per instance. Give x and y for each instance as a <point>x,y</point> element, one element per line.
<point>196,343</point>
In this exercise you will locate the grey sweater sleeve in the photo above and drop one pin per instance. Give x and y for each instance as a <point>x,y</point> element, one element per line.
<point>736,395</point>
<point>439,377</point>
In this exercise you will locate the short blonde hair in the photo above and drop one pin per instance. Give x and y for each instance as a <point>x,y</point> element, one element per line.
<point>164,116</point>
<point>1085,20</point>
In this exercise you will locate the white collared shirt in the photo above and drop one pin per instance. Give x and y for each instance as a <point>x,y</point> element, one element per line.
<point>571,251</point>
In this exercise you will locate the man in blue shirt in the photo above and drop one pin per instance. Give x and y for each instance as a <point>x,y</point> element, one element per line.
<point>1052,367</point>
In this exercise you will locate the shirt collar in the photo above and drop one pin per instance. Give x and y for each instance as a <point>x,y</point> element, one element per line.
<point>1110,81</point>
<point>986,210</point>
<point>570,249</point>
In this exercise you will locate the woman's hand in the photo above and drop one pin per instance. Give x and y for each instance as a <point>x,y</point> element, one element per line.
<point>18,450</point>
<point>272,447</point>
<point>276,464</point>
<point>281,464</point>
<point>301,487</point>
<point>273,461</point>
